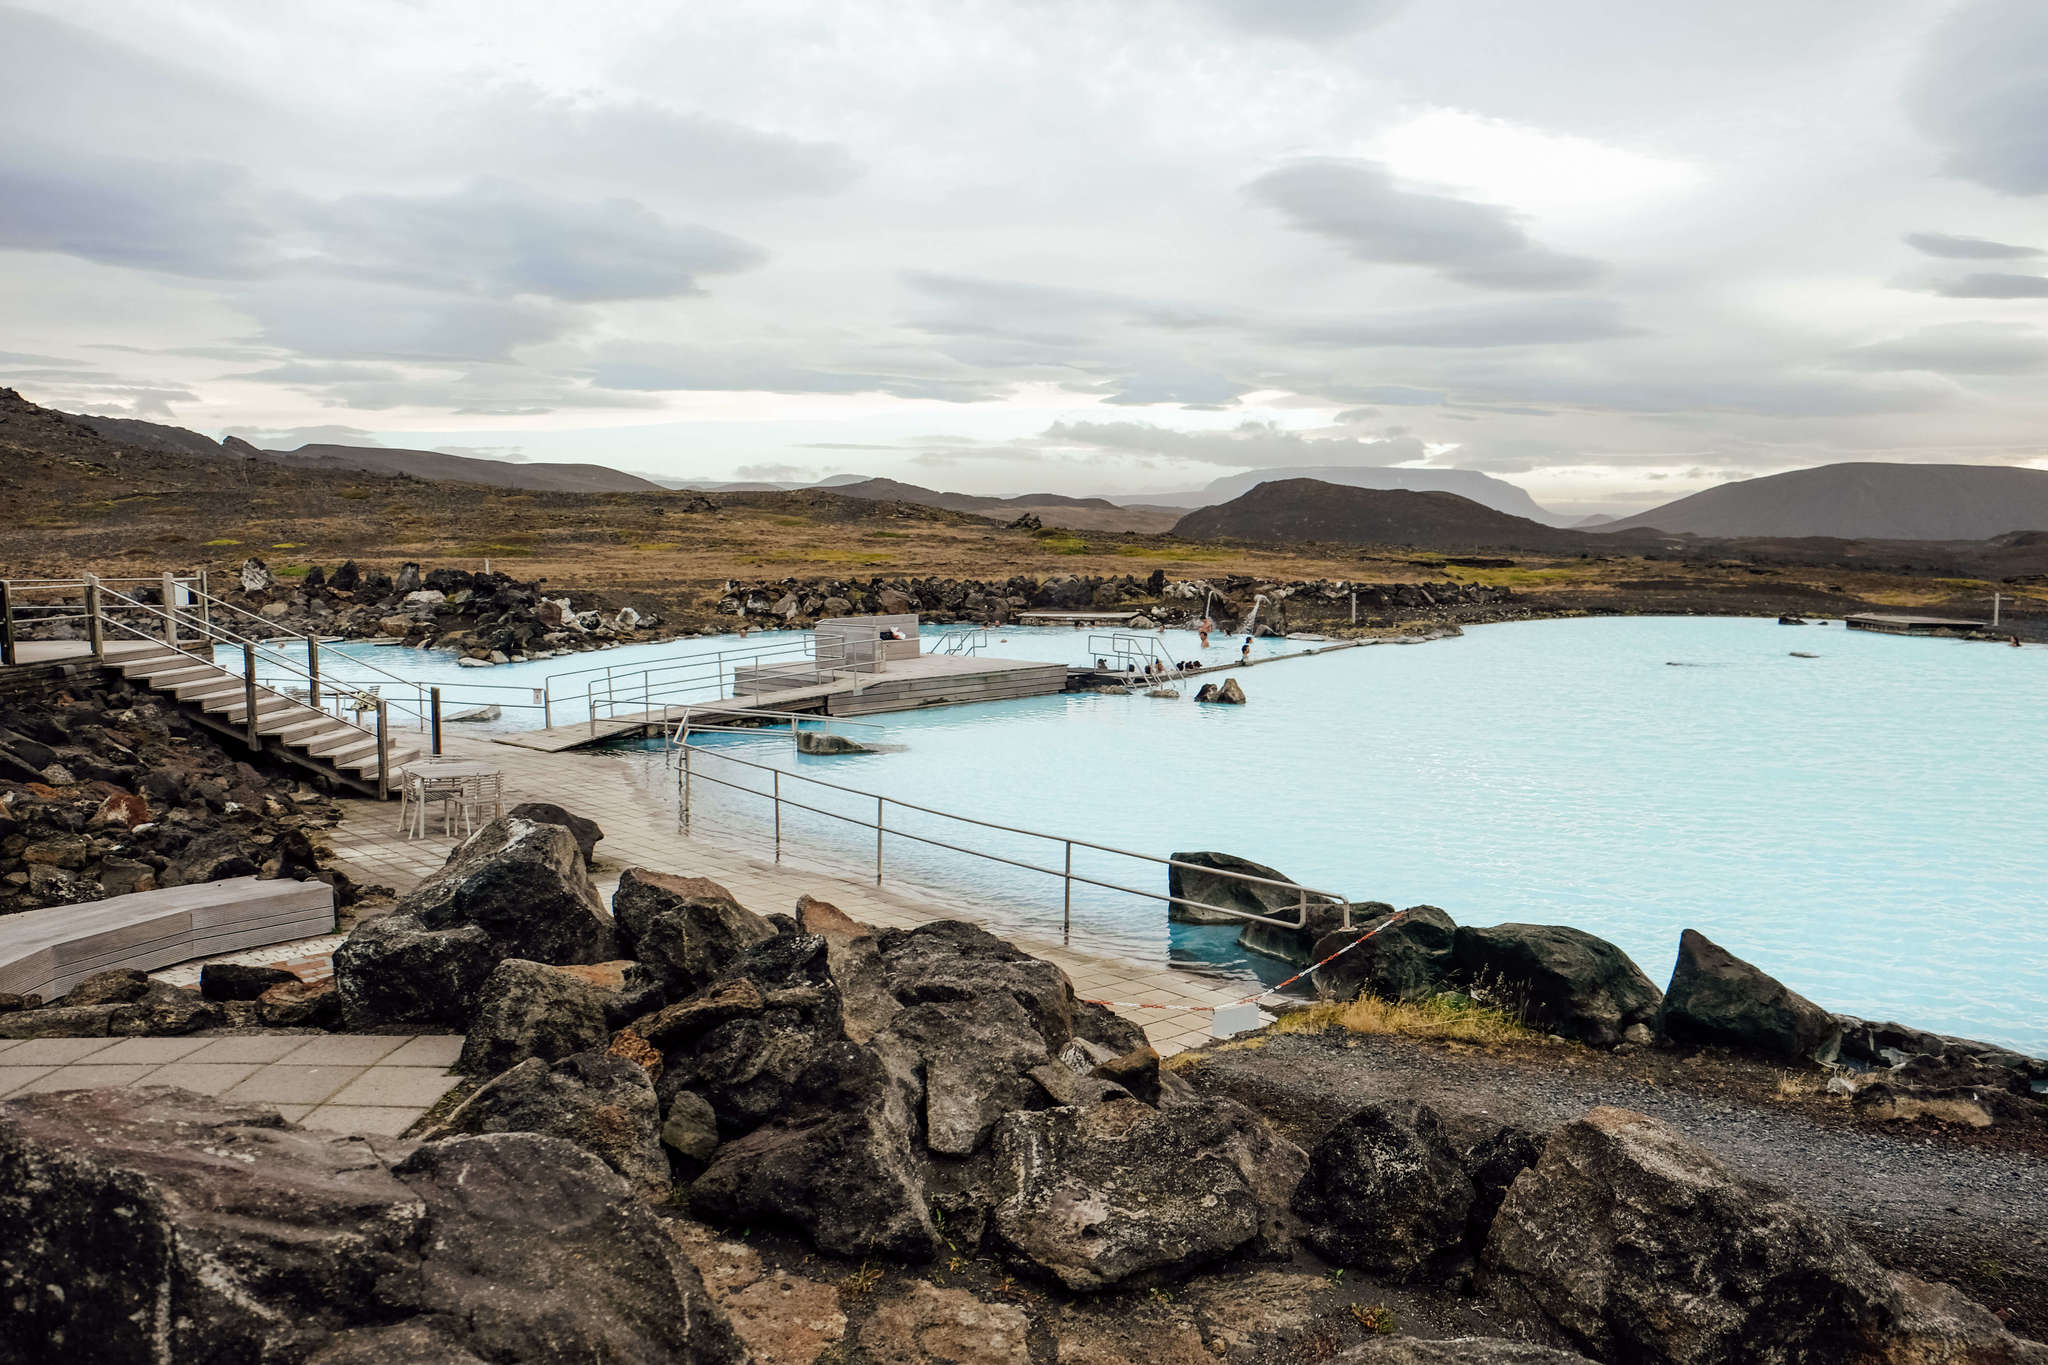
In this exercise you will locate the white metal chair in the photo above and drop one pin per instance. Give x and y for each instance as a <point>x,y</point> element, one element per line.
<point>481,791</point>
<point>421,787</point>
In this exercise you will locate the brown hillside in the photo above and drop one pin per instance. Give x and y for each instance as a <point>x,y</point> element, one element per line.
<point>1295,510</point>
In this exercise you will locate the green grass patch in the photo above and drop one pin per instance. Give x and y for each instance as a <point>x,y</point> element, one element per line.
<point>222,541</point>
<point>1062,544</point>
<point>1517,578</point>
<point>292,571</point>
<point>288,545</point>
<point>887,535</point>
<point>1186,552</point>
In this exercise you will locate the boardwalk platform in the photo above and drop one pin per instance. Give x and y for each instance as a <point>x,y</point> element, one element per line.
<point>1886,623</point>
<point>1076,618</point>
<point>906,685</point>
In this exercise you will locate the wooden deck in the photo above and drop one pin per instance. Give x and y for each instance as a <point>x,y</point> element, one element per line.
<point>1890,623</point>
<point>1076,618</point>
<point>907,685</point>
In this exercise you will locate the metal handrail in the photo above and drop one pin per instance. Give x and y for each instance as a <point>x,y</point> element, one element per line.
<point>960,641</point>
<point>687,724</point>
<point>1305,896</point>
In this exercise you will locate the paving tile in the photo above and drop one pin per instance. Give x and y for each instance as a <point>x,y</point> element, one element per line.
<point>203,1078</point>
<point>82,1077</point>
<point>55,1051</point>
<point>417,1086</point>
<point>378,1119</point>
<point>250,1047</point>
<point>439,1050</point>
<point>344,1049</point>
<point>153,1051</point>
<point>6,1043</point>
<point>307,1085</point>
<point>292,1113</point>
<point>12,1078</point>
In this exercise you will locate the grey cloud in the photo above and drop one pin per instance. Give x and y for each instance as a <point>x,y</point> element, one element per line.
<point>1394,395</point>
<point>500,238</point>
<point>348,318</point>
<point>1045,313</point>
<point>1308,20</point>
<point>315,374</point>
<point>506,390</point>
<point>660,367</point>
<point>1979,92</point>
<point>1249,444</point>
<point>191,218</point>
<point>1960,348</point>
<point>116,400</point>
<point>1966,248</point>
<point>1545,322</point>
<point>1357,205</point>
<point>291,438</point>
<point>523,129</point>
<point>1994,286</point>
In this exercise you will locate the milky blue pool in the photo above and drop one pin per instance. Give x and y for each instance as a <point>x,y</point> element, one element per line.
<point>1866,825</point>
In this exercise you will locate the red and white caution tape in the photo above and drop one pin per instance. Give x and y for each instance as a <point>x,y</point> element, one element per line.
<point>1261,995</point>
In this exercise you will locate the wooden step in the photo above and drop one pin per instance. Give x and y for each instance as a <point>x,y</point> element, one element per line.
<point>160,665</point>
<point>205,689</point>
<point>346,738</point>
<point>297,730</point>
<point>238,711</point>
<point>172,679</point>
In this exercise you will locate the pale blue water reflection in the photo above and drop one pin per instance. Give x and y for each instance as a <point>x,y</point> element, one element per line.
<point>1864,825</point>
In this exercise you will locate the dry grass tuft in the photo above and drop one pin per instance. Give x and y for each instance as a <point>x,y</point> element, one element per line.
<point>1443,1018</point>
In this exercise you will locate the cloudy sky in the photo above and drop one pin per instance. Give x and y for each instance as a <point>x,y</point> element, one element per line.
<point>1612,251</point>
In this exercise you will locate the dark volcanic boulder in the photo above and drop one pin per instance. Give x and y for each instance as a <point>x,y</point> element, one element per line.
<point>1385,1191</point>
<point>1636,1245</point>
<point>513,889</point>
<point>146,1225</point>
<point>530,1009</point>
<point>1191,877</point>
<point>978,1056</point>
<point>1454,1351</point>
<point>690,927</point>
<point>585,832</point>
<point>1410,959</point>
<point>1562,979</point>
<point>954,960</point>
<point>1716,997</point>
<point>1123,1192</point>
<point>237,981</point>
<point>522,883</point>
<point>837,1165</point>
<point>603,1104</point>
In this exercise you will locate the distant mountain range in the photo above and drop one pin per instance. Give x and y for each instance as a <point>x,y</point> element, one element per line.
<point>1291,510</point>
<point>420,464</point>
<point>1483,489</point>
<point>1862,501</point>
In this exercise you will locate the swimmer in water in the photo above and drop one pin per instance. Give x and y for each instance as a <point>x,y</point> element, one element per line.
<point>1204,629</point>
<point>1244,656</point>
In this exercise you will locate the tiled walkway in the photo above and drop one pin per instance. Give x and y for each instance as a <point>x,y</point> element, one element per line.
<point>348,1083</point>
<point>639,831</point>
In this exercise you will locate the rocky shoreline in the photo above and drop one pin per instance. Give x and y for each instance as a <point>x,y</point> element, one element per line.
<point>698,1132</point>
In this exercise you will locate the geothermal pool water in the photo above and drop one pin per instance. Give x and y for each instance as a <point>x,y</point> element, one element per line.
<point>1863,825</point>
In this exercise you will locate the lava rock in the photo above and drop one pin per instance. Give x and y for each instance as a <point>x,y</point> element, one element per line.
<point>1562,979</point>
<point>836,1165</point>
<point>514,889</point>
<point>1192,877</point>
<point>1385,1191</point>
<point>690,927</point>
<point>1454,1351</point>
<point>532,1010</point>
<point>586,832</point>
<point>604,1104</point>
<point>1123,1193</point>
<point>819,743</point>
<point>1410,959</point>
<point>238,981</point>
<point>160,1225</point>
<point>1715,997</point>
<point>1635,1244</point>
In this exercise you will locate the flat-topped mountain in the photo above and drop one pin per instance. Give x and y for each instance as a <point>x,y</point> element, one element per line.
<point>1290,510</point>
<point>419,464</point>
<point>1483,489</point>
<point>1862,501</point>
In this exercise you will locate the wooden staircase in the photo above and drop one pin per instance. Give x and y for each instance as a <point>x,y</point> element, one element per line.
<point>290,729</point>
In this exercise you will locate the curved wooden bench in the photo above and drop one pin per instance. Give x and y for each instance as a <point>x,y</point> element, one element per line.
<point>47,952</point>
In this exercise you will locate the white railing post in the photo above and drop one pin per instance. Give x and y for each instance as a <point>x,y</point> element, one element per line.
<point>1067,899</point>
<point>170,591</point>
<point>383,750</point>
<point>6,623</point>
<point>686,785</point>
<point>249,692</point>
<point>878,841</point>
<point>95,628</point>
<point>313,670</point>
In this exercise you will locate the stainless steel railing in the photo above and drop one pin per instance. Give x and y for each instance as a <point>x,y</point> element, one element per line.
<point>695,757</point>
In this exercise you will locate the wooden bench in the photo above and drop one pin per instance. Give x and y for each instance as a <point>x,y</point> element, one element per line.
<point>47,952</point>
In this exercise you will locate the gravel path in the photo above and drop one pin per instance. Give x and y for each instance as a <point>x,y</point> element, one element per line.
<point>1920,1200</point>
